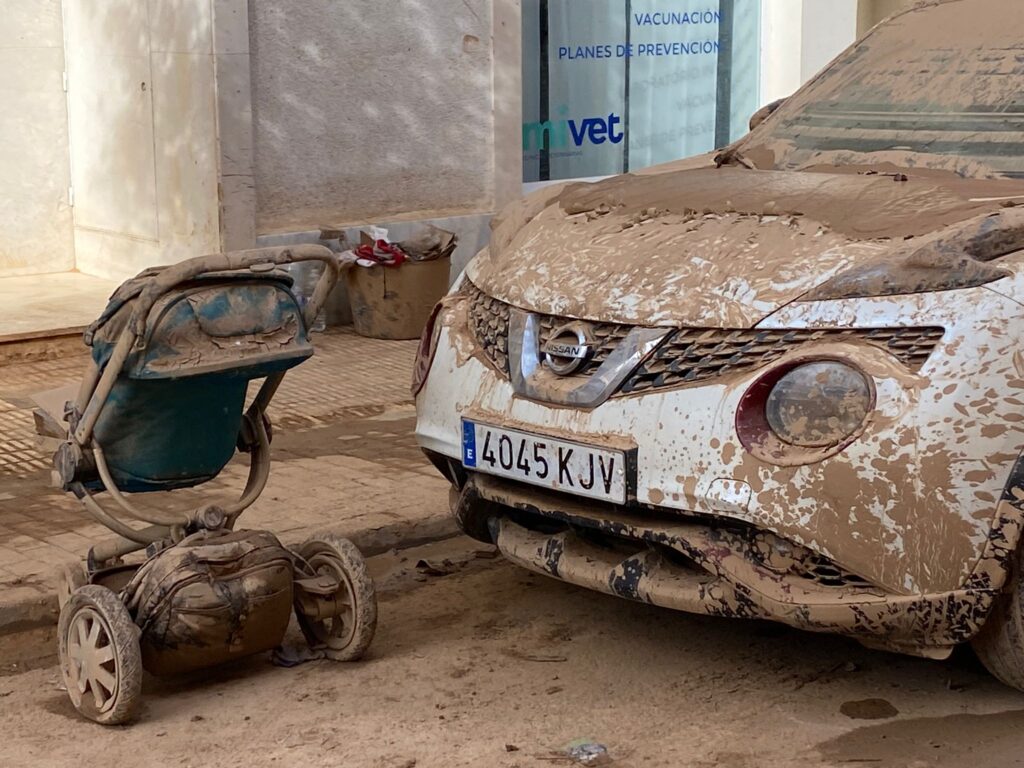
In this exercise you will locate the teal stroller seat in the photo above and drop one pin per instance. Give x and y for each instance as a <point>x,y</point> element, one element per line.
<point>174,413</point>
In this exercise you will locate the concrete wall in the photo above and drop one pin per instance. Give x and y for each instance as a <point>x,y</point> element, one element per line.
<point>142,110</point>
<point>233,72</point>
<point>35,217</point>
<point>197,126</point>
<point>367,110</point>
<point>799,37</point>
<point>829,27</point>
<point>781,31</point>
<point>871,12</point>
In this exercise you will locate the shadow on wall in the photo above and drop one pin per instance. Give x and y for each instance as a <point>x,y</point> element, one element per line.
<point>370,110</point>
<point>142,115</point>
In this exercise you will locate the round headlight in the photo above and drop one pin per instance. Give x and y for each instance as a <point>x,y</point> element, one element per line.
<point>819,404</point>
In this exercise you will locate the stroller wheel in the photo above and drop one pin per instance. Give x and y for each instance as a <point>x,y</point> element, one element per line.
<point>100,660</point>
<point>341,623</point>
<point>71,578</point>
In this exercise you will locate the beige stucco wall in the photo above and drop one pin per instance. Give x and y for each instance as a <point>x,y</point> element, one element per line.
<point>800,37</point>
<point>361,113</point>
<point>366,110</point>
<point>871,12</point>
<point>35,218</point>
<point>142,111</point>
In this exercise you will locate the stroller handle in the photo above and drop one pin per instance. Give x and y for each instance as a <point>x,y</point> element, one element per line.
<point>232,261</point>
<point>94,392</point>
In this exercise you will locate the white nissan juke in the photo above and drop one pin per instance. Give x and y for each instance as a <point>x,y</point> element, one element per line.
<point>785,381</point>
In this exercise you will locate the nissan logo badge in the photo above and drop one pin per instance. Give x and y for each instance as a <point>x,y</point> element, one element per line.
<point>568,349</point>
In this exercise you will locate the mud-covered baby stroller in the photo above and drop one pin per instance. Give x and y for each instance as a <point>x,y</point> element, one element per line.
<point>161,408</point>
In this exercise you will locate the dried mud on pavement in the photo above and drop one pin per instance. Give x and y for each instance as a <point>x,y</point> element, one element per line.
<point>479,663</point>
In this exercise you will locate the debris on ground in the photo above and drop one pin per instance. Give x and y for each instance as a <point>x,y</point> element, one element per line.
<point>588,752</point>
<point>827,675</point>
<point>444,568</point>
<point>515,653</point>
<point>288,655</point>
<point>502,700</point>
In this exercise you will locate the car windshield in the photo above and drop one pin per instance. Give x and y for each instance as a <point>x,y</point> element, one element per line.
<point>938,87</point>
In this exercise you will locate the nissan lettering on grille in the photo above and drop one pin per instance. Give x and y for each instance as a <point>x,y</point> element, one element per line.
<point>568,349</point>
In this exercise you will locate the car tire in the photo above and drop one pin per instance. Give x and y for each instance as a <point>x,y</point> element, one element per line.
<point>472,513</point>
<point>1000,644</point>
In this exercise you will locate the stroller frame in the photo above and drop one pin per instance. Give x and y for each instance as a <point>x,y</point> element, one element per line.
<point>95,389</point>
<point>99,639</point>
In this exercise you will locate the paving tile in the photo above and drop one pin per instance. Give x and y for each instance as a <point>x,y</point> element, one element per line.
<point>70,542</point>
<point>350,460</point>
<point>32,567</point>
<point>9,555</point>
<point>11,517</point>
<point>21,541</point>
<point>93,532</point>
<point>42,550</point>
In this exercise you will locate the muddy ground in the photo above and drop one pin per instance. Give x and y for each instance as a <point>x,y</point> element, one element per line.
<point>490,665</point>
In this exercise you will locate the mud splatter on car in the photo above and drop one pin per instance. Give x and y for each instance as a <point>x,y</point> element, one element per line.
<point>785,381</point>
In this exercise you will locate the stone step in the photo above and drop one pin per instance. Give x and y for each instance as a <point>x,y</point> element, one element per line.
<point>41,345</point>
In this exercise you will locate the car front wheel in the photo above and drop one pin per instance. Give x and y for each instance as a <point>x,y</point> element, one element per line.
<point>1000,644</point>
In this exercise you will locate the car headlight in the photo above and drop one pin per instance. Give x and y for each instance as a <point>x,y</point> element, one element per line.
<point>425,351</point>
<point>818,404</point>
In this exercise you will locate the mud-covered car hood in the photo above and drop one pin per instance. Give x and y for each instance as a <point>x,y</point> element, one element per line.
<point>724,247</point>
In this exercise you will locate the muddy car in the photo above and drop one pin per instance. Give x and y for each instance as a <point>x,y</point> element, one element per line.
<point>784,381</point>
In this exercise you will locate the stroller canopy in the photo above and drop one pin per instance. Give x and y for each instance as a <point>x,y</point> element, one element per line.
<point>242,324</point>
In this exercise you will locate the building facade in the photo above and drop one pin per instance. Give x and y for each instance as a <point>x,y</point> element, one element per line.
<point>140,132</point>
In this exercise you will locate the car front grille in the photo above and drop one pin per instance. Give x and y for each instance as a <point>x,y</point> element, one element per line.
<point>820,570</point>
<point>690,355</point>
<point>488,321</point>
<point>786,557</point>
<point>606,337</point>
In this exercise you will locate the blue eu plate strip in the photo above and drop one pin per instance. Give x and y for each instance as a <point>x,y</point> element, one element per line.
<point>468,443</point>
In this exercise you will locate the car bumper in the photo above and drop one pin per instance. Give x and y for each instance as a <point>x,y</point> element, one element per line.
<point>701,566</point>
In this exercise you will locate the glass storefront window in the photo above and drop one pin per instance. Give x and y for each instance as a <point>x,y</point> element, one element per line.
<point>611,86</point>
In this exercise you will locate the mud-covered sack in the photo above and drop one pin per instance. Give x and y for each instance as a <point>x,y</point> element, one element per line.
<point>211,598</point>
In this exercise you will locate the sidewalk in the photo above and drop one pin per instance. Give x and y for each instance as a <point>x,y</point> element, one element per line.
<point>49,304</point>
<point>345,460</point>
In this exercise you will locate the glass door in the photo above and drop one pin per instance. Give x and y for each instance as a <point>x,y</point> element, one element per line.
<point>611,86</point>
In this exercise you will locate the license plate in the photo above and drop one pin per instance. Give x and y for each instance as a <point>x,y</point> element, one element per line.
<point>562,465</point>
